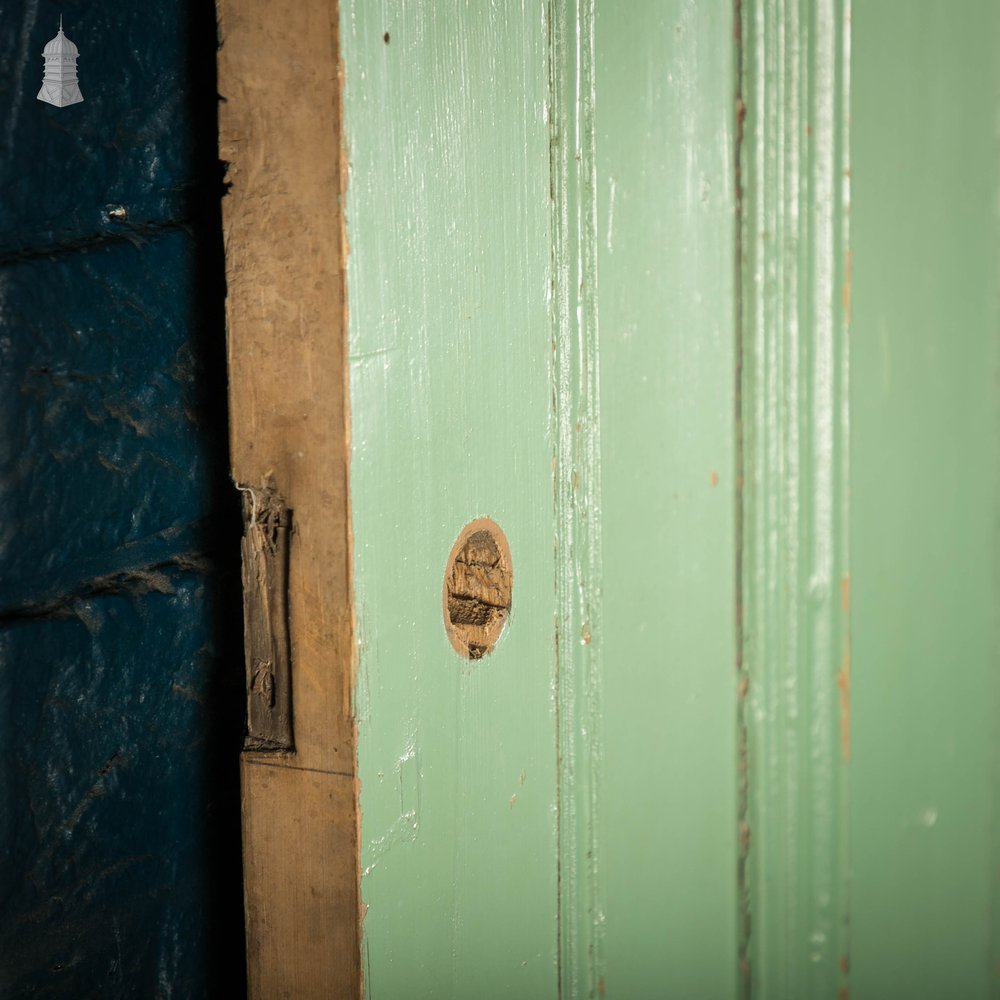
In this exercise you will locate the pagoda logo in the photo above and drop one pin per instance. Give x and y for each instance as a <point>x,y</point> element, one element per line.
<point>59,85</point>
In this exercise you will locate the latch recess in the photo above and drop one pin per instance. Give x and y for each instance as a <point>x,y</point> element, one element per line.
<point>266,527</point>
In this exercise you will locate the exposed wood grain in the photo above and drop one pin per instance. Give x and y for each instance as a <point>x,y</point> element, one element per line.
<point>285,316</point>
<point>298,828</point>
<point>280,133</point>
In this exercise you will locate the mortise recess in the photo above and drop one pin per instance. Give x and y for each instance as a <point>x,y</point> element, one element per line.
<point>266,524</point>
<point>478,582</point>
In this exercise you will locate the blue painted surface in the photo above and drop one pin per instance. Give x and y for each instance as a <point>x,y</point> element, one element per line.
<point>120,633</point>
<point>131,141</point>
<point>101,427</point>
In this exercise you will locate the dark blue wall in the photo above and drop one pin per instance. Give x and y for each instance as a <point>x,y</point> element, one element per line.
<point>120,633</point>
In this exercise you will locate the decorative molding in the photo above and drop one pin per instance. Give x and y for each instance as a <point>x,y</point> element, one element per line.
<point>795,312</point>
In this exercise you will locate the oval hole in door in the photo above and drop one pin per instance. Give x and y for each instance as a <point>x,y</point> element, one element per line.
<point>478,583</point>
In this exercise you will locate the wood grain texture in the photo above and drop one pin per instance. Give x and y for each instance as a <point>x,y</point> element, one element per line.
<point>298,828</point>
<point>280,133</point>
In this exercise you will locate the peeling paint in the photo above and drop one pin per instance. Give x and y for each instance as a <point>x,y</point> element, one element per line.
<point>844,687</point>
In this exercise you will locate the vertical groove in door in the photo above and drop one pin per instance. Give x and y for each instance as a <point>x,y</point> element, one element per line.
<point>796,587</point>
<point>743,926</point>
<point>577,490</point>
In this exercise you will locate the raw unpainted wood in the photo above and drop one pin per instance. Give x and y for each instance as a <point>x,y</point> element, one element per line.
<point>280,135</point>
<point>296,823</point>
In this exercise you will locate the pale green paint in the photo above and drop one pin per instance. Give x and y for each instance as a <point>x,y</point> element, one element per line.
<point>794,172</point>
<point>552,304</point>
<point>491,183</point>
<point>448,216</point>
<point>665,146</point>
<point>925,498</point>
<point>870,509</point>
<point>578,553</point>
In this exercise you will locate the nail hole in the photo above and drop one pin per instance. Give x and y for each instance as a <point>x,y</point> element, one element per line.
<point>477,589</point>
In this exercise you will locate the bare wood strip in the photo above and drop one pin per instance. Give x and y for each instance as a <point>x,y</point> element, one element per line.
<point>281,137</point>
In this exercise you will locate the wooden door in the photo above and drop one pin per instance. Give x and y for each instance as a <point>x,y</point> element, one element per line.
<point>541,292</point>
<point>671,326</point>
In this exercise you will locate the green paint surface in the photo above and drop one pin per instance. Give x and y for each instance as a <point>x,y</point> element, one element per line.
<point>504,239</point>
<point>448,215</point>
<point>794,559</point>
<point>924,447</point>
<point>666,285</point>
<point>736,445</point>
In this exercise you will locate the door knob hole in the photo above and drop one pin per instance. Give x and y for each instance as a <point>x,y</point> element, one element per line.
<point>477,589</point>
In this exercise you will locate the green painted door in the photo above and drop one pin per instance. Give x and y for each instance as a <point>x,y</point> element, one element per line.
<point>698,303</point>
<point>450,363</point>
<point>493,376</point>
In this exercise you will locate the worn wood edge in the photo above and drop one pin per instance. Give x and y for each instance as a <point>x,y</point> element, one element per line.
<point>355,652</point>
<point>277,433</point>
